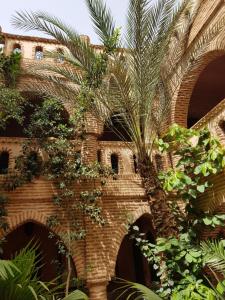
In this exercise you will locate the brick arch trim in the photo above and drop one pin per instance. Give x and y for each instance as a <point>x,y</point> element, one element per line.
<point>39,218</point>
<point>120,234</point>
<point>181,103</point>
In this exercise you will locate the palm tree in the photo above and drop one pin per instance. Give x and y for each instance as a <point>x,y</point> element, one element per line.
<point>19,281</point>
<point>133,79</point>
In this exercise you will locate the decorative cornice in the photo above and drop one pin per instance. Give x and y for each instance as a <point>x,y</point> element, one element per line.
<point>38,39</point>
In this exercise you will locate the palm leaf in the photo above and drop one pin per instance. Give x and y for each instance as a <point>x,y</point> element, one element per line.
<point>135,291</point>
<point>76,295</point>
<point>214,255</point>
<point>7,269</point>
<point>102,20</point>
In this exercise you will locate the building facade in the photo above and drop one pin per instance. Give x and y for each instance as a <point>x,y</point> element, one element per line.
<point>107,251</point>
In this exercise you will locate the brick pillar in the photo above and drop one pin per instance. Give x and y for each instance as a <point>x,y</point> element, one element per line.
<point>98,290</point>
<point>90,145</point>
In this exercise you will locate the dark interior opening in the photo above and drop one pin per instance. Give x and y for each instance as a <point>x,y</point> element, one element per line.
<point>222,126</point>
<point>4,162</point>
<point>115,130</point>
<point>52,262</point>
<point>208,91</point>
<point>135,164</point>
<point>115,163</point>
<point>13,129</point>
<point>99,156</point>
<point>131,264</point>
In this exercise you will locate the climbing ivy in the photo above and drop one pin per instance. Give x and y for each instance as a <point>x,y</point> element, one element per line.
<point>179,260</point>
<point>11,108</point>
<point>56,138</point>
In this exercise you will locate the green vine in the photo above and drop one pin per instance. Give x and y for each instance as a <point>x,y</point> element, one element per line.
<point>179,260</point>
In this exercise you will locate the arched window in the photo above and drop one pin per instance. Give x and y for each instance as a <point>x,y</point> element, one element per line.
<point>208,91</point>
<point>222,126</point>
<point>99,156</point>
<point>4,162</point>
<point>135,164</point>
<point>39,54</point>
<point>16,48</point>
<point>60,57</point>
<point>115,163</point>
<point>115,129</point>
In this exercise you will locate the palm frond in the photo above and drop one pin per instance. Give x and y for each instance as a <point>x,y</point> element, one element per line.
<point>135,291</point>
<point>57,29</point>
<point>102,20</point>
<point>214,255</point>
<point>7,268</point>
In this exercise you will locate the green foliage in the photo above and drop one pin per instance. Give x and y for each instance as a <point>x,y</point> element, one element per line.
<point>19,280</point>
<point>214,254</point>
<point>193,290</point>
<point>176,258</point>
<point>11,106</point>
<point>56,138</point>
<point>199,156</point>
<point>10,68</point>
<point>135,290</point>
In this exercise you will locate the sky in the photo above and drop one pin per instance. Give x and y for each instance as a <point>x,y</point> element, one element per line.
<point>73,12</point>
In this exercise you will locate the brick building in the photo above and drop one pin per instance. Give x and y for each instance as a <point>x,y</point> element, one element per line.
<point>107,251</point>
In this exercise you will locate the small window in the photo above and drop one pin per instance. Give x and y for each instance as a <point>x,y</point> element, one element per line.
<point>60,57</point>
<point>78,159</point>
<point>222,126</point>
<point>135,164</point>
<point>159,162</point>
<point>39,54</point>
<point>115,163</point>
<point>16,48</point>
<point>4,162</point>
<point>99,156</point>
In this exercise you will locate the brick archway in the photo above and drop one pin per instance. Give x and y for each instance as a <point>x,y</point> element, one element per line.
<point>40,218</point>
<point>121,233</point>
<point>181,103</point>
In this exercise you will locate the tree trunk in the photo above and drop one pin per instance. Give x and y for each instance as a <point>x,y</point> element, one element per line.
<point>163,219</point>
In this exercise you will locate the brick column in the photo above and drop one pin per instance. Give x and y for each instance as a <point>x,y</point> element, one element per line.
<point>98,290</point>
<point>90,145</point>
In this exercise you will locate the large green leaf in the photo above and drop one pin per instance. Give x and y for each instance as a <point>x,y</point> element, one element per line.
<point>76,295</point>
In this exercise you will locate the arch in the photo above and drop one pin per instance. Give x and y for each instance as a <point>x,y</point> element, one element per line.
<point>122,231</point>
<point>130,263</point>
<point>39,53</point>
<point>222,126</point>
<point>16,48</point>
<point>53,261</point>
<point>115,163</point>
<point>181,104</point>
<point>135,164</point>
<point>60,55</point>
<point>33,101</point>
<point>99,156</point>
<point>19,218</point>
<point>4,162</point>
<point>115,129</point>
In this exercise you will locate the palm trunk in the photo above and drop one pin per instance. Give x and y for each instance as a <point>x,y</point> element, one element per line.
<point>163,219</point>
